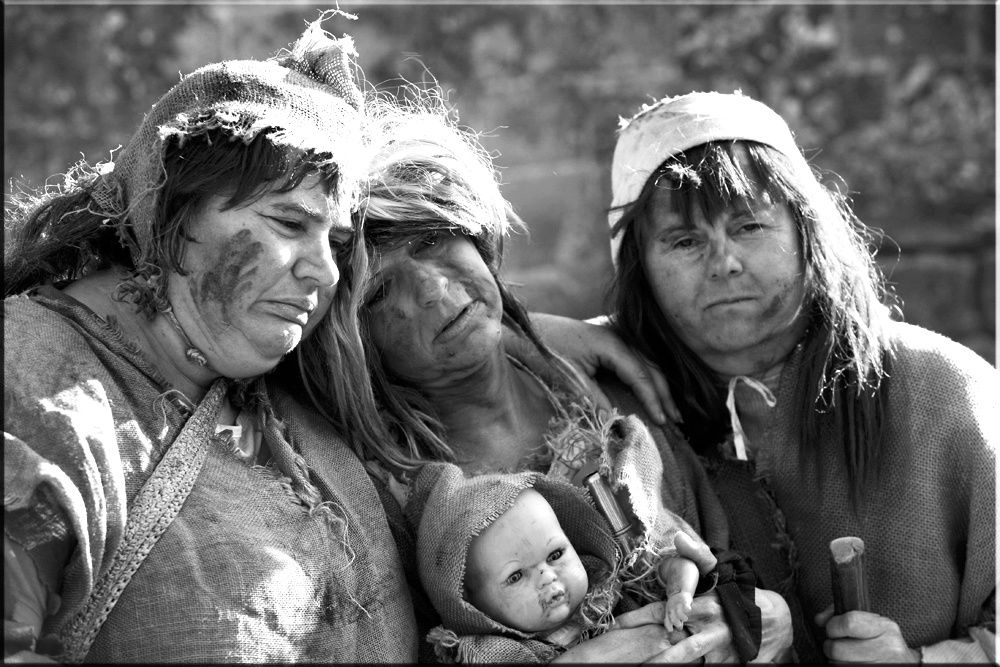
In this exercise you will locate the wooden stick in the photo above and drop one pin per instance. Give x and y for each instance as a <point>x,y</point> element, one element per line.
<point>847,571</point>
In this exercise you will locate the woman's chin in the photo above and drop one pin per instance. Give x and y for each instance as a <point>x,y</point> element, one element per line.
<point>276,346</point>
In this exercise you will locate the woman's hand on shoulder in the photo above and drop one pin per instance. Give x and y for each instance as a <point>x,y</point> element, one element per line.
<point>591,346</point>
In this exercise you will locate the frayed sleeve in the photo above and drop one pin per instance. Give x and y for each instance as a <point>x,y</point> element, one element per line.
<point>64,491</point>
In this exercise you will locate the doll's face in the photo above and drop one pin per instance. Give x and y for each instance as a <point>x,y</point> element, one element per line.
<point>522,570</point>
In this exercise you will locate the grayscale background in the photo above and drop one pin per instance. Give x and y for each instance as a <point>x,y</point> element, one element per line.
<point>897,101</point>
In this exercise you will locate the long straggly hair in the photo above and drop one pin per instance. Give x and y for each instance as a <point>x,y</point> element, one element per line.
<point>426,176</point>
<point>61,234</point>
<point>842,378</point>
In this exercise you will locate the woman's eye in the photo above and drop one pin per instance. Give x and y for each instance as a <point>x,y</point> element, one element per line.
<point>291,225</point>
<point>513,578</point>
<point>428,240</point>
<point>341,247</point>
<point>555,555</point>
<point>750,226</point>
<point>684,243</point>
<point>377,295</point>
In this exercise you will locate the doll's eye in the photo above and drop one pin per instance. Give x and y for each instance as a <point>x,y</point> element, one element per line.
<point>555,555</point>
<point>513,578</point>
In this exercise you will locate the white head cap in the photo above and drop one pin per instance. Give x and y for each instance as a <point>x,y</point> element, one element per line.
<point>675,124</point>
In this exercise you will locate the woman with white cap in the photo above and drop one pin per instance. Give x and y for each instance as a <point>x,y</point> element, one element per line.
<point>816,415</point>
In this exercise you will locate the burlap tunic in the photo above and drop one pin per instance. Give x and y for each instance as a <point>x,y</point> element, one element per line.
<point>929,524</point>
<point>245,572</point>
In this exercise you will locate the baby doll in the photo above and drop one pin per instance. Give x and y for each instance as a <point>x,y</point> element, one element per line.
<point>520,566</point>
<point>523,571</point>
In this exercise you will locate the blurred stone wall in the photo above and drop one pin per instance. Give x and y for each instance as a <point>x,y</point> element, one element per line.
<point>896,102</point>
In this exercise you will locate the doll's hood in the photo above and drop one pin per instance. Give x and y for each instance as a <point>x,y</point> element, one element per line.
<point>450,510</point>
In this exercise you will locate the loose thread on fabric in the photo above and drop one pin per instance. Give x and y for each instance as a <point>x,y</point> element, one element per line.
<point>597,610</point>
<point>739,436</point>
<point>160,404</point>
<point>298,486</point>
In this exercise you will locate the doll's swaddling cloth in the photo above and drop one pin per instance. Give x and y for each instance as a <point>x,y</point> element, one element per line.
<point>627,457</point>
<point>449,511</point>
<point>623,451</point>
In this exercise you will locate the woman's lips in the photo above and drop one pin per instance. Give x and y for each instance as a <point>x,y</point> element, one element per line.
<point>294,311</point>
<point>457,324</point>
<point>730,301</point>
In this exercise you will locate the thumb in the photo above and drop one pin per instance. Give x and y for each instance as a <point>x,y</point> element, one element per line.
<point>824,616</point>
<point>695,551</point>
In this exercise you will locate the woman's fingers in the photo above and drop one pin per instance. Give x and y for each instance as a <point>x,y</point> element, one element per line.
<point>600,398</point>
<point>631,645</point>
<point>663,390</point>
<point>776,627</point>
<point>651,614</point>
<point>711,639</point>
<point>646,381</point>
<point>824,616</point>
<point>595,344</point>
<point>696,551</point>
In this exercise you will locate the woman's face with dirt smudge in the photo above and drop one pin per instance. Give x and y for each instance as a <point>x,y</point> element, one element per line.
<point>733,286</point>
<point>256,276</point>
<point>434,309</point>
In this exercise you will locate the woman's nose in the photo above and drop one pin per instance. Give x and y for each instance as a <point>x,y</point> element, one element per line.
<point>723,259</point>
<point>431,286</point>
<point>319,265</point>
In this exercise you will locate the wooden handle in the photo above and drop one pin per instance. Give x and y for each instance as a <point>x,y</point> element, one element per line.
<point>847,571</point>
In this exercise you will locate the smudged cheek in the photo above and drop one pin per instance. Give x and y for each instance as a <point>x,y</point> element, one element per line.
<point>398,337</point>
<point>787,300</point>
<point>232,269</point>
<point>676,293</point>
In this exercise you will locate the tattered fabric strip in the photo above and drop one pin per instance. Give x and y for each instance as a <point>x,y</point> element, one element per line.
<point>153,510</point>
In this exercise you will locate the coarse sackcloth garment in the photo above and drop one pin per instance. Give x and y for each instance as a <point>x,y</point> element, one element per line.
<point>306,99</point>
<point>249,570</point>
<point>928,524</point>
<point>624,451</point>
<point>675,124</point>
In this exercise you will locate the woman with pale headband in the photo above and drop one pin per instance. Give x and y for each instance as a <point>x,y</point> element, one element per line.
<point>816,414</point>
<point>433,314</point>
<point>159,502</point>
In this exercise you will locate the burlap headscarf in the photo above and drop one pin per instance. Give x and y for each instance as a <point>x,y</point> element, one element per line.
<point>306,99</point>
<point>675,124</point>
<point>450,510</point>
